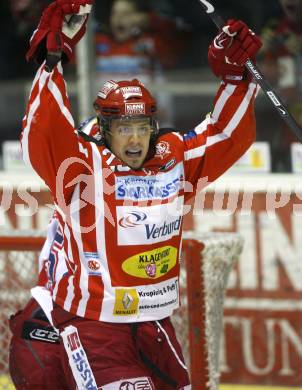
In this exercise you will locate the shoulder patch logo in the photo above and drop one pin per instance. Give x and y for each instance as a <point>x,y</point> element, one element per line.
<point>162,149</point>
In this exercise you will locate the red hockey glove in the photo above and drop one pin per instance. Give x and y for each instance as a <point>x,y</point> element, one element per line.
<point>230,50</point>
<point>62,25</point>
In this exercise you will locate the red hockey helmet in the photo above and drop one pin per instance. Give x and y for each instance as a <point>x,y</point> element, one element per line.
<point>125,99</point>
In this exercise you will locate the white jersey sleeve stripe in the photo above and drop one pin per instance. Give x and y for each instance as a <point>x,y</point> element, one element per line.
<point>59,99</point>
<point>223,98</point>
<point>70,288</point>
<point>225,95</point>
<point>37,76</point>
<point>70,294</point>
<point>227,132</point>
<point>178,135</point>
<point>202,127</point>
<point>30,116</point>
<point>60,70</point>
<point>67,235</point>
<point>233,123</point>
<point>76,228</point>
<point>195,153</point>
<point>100,222</point>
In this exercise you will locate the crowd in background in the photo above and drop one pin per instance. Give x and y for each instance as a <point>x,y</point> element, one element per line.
<point>20,17</point>
<point>281,62</point>
<point>149,39</point>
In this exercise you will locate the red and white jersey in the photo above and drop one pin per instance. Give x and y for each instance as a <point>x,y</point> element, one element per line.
<point>51,260</point>
<point>122,227</point>
<point>52,266</point>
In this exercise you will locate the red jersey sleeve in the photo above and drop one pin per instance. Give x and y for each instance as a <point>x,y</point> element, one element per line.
<point>49,143</point>
<point>218,142</point>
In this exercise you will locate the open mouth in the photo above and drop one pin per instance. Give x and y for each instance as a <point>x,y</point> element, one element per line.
<point>134,153</point>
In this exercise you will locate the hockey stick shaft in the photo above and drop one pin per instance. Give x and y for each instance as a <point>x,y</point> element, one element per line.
<point>258,76</point>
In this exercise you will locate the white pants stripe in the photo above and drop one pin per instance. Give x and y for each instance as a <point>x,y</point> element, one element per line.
<point>78,361</point>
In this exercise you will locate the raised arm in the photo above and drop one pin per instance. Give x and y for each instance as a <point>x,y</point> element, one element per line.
<point>226,133</point>
<point>48,138</point>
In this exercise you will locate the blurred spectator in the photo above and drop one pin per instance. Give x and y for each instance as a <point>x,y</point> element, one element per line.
<point>139,43</point>
<point>137,40</point>
<point>282,65</point>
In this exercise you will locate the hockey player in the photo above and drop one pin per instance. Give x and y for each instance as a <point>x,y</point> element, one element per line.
<point>34,353</point>
<point>119,196</point>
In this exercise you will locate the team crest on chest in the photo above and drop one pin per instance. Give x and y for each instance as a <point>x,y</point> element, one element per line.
<point>162,149</point>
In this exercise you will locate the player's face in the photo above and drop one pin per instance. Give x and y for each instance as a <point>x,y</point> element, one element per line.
<point>121,20</point>
<point>129,140</point>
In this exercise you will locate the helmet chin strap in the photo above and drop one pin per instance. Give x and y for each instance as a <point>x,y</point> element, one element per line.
<point>104,126</point>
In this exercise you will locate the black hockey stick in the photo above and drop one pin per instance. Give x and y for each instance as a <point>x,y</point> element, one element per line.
<point>258,76</point>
